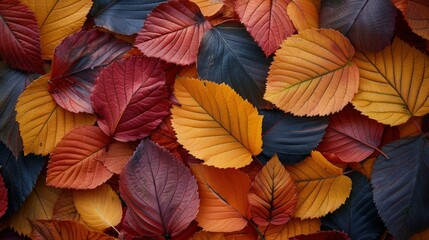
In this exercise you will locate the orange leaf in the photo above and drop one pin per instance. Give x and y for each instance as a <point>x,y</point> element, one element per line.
<point>117,156</point>
<point>39,205</point>
<point>272,196</point>
<point>321,186</point>
<point>216,124</point>
<point>364,167</point>
<point>74,163</point>
<point>64,230</point>
<point>411,127</point>
<point>292,228</point>
<point>223,198</point>
<point>42,122</point>
<point>57,19</point>
<point>423,235</point>
<point>100,208</point>
<point>312,73</point>
<point>417,16</point>
<point>303,14</point>
<point>209,7</point>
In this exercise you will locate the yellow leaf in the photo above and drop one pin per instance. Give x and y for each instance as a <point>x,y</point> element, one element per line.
<point>100,208</point>
<point>39,205</point>
<point>303,14</point>
<point>312,73</point>
<point>57,19</point>
<point>42,122</point>
<point>209,7</point>
<point>393,84</point>
<point>321,186</point>
<point>292,228</point>
<point>203,235</point>
<point>215,124</point>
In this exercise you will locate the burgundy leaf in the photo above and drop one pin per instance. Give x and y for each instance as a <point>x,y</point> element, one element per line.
<point>327,235</point>
<point>160,192</point>
<point>76,64</point>
<point>173,32</point>
<point>351,136</point>
<point>130,98</point>
<point>20,37</point>
<point>3,197</point>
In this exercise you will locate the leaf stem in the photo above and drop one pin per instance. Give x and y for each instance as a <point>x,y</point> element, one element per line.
<point>261,236</point>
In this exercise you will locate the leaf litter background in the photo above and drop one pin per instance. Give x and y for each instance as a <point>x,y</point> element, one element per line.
<point>234,119</point>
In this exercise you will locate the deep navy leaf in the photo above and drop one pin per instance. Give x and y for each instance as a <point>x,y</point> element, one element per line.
<point>122,16</point>
<point>75,66</point>
<point>9,234</point>
<point>369,24</point>
<point>401,186</point>
<point>19,176</point>
<point>358,217</point>
<point>228,54</point>
<point>291,137</point>
<point>12,84</point>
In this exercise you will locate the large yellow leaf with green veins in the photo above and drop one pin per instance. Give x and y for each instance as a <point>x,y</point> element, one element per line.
<point>57,19</point>
<point>215,124</point>
<point>42,122</point>
<point>321,186</point>
<point>312,73</point>
<point>394,83</point>
<point>100,208</point>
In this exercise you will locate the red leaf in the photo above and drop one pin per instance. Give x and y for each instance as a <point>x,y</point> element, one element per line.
<point>160,192</point>
<point>327,235</point>
<point>130,98</point>
<point>3,197</point>
<point>20,37</point>
<point>165,136</point>
<point>351,136</point>
<point>76,63</point>
<point>173,32</point>
<point>118,155</point>
<point>74,163</point>
<point>267,21</point>
<point>273,195</point>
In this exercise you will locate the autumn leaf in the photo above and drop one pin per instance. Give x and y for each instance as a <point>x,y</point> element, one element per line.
<point>292,228</point>
<point>416,14</point>
<point>100,208</point>
<point>203,235</point>
<point>368,24</point>
<point>209,7</point>
<point>393,83</point>
<point>73,162</point>
<point>324,235</point>
<point>123,17</point>
<point>229,44</point>
<point>12,84</point>
<point>76,64</point>
<point>351,136</point>
<point>39,205</point>
<point>130,98</point>
<point>117,154</point>
<point>57,19</point>
<point>180,41</point>
<point>401,186</point>
<point>65,230</point>
<point>3,197</point>
<point>266,21</point>
<point>321,186</point>
<point>312,73</point>
<point>272,196</point>
<point>160,192</point>
<point>64,208</point>
<point>42,122</point>
<point>303,14</point>
<point>223,194</point>
<point>19,175</point>
<point>20,45</point>
<point>229,127</point>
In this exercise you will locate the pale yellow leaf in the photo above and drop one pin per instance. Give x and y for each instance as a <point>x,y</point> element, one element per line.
<point>292,228</point>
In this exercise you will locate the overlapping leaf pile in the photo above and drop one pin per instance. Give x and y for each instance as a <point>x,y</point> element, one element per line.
<point>201,119</point>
